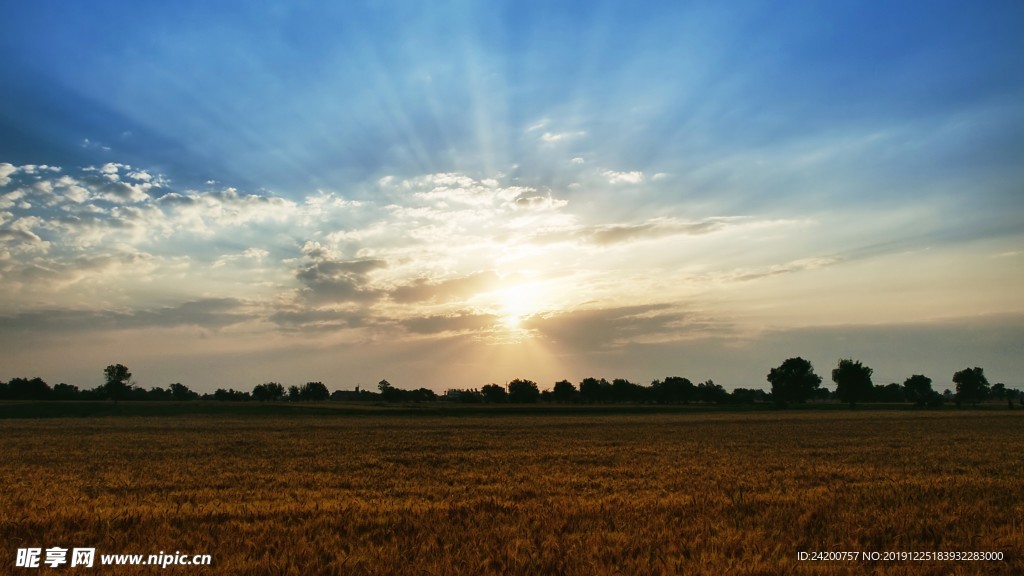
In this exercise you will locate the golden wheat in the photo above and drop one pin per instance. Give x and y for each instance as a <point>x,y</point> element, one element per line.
<point>561,494</point>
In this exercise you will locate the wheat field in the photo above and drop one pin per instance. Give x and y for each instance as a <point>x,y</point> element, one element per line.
<point>716,493</point>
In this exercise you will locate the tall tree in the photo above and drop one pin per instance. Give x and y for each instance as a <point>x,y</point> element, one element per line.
<point>971,385</point>
<point>388,392</point>
<point>793,381</point>
<point>853,381</point>
<point>117,381</point>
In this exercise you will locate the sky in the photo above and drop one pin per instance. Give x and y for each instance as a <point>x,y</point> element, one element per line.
<point>451,194</point>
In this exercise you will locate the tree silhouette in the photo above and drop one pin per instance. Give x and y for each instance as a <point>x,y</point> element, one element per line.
<point>673,390</point>
<point>793,381</point>
<point>388,392</point>
<point>314,392</point>
<point>712,393</point>
<point>563,391</point>
<point>117,381</point>
<point>853,381</point>
<point>594,390</point>
<point>230,395</point>
<point>745,395</point>
<point>523,391</point>
<point>998,391</point>
<point>64,391</point>
<point>268,391</point>
<point>494,393</point>
<point>918,389</point>
<point>28,389</point>
<point>971,385</point>
<point>891,392</point>
<point>625,391</point>
<point>181,392</point>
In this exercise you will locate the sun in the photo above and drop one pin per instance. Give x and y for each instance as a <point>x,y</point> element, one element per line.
<point>518,303</point>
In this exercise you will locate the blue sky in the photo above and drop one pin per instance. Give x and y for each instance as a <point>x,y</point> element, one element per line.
<point>448,195</point>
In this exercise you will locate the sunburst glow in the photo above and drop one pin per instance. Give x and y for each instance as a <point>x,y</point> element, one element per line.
<point>518,303</point>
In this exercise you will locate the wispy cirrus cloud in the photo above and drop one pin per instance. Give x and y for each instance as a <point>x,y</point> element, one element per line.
<point>621,233</point>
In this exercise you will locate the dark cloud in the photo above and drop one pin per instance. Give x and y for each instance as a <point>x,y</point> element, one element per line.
<point>20,236</point>
<point>207,313</point>
<point>115,187</point>
<point>50,272</point>
<point>424,290</point>
<point>307,319</point>
<point>605,327</point>
<point>339,280</point>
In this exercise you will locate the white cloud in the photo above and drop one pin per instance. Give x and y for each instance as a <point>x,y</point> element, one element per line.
<point>538,202</point>
<point>441,189</point>
<point>6,169</point>
<point>552,137</point>
<point>94,145</point>
<point>72,189</point>
<point>253,254</point>
<point>110,170</point>
<point>11,199</point>
<point>257,254</point>
<point>20,236</point>
<point>634,177</point>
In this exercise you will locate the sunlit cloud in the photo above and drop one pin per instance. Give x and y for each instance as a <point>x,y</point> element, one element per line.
<point>450,324</point>
<point>458,289</point>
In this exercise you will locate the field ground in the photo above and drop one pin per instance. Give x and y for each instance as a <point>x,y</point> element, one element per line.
<point>582,493</point>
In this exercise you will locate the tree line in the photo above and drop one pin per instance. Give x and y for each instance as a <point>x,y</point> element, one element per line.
<point>792,382</point>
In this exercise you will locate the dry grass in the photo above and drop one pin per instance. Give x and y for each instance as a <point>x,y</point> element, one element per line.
<point>628,494</point>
